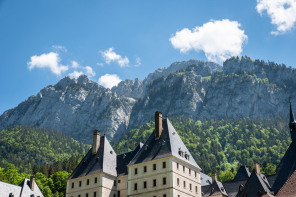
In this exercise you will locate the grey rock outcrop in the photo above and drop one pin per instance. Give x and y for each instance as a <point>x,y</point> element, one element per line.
<point>195,89</point>
<point>75,107</point>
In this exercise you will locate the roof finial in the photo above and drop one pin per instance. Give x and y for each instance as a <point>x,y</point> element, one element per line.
<point>292,119</point>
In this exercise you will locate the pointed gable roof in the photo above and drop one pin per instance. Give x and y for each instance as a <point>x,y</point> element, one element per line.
<point>27,191</point>
<point>215,188</point>
<point>124,159</point>
<point>103,161</point>
<point>243,173</point>
<point>286,167</point>
<point>256,184</point>
<point>168,144</point>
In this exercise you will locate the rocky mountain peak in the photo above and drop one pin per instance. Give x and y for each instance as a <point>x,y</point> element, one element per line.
<point>196,89</point>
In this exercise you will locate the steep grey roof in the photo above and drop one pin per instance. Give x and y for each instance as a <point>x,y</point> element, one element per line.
<point>286,167</point>
<point>124,159</point>
<point>23,190</point>
<point>26,190</point>
<point>271,179</point>
<point>168,144</point>
<point>215,188</point>
<point>205,179</point>
<point>103,161</point>
<point>243,173</point>
<point>6,189</point>
<point>257,183</point>
<point>232,187</point>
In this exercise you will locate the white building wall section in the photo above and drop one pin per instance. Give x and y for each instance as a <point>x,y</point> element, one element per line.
<point>104,187</point>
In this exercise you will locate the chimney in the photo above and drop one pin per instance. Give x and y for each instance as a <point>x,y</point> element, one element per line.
<point>158,124</point>
<point>32,182</point>
<point>257,167</point>
<point>214,177</point>
<point>96,141</point>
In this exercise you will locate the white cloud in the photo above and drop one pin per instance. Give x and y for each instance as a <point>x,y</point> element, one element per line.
<point>76,74</point>
<point>48,60</point>
<point>219,39</point>
<point>89,71</point>
<point>138,61</point>
<point>60,48</point>
<point>108,81</point>
<point>281,12</point>
<point>110,56</point>
<point>75,64</point>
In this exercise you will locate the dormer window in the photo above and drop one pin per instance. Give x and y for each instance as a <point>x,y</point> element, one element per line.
<point>180,152</point>
<point>187,156</point>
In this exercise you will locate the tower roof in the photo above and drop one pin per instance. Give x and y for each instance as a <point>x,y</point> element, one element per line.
<point>256,184</point>
<point>243,173</point>
<point>292,119</point>
<point>103,161</point>
<point>168,144</point>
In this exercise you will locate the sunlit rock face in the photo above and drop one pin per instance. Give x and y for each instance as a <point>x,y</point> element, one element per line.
<point>195,89</point>
<point>74,106</point>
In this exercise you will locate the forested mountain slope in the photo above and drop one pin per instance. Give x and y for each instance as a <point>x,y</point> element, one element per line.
<point>222,144</point>
<point>28,146</point>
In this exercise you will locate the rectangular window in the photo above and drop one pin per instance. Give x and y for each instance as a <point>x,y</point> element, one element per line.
<point>95,194</point>
<point>79,183</point>
<point>195,189</point>
<point>184,184</point>
<point>164,164</point>
<point>154,166</point>
<point>86,195</point>
<point>145,185</point>
<point>164,195</point>
<point>183,168</point>
<point>154,183</point>
<point>79,196</point>
<point>145,168</point>
<point>178,181</point>
<point>164,181</point>
<point>72,185</point>
<point>189,171</point>
<point>118,193</point>
<point>136,170</point>
<point>118,181</point>
<point>178,166</point>
<point>190,186</point>
<point>135,186</point>
<point>114,195</point>
<point>114,182</point>
<point>178,195</point>
<point>96,179</point>
<point>195,174</point>
<point>87,182</point>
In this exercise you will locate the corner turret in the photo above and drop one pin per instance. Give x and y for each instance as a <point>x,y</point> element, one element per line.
<point>292,123</point>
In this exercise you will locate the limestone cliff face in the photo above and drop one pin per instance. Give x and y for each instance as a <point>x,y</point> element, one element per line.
<point>196,89</point>
<point>73,106</point>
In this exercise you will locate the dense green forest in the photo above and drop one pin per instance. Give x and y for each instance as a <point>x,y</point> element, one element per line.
<point>223,145</point>
<point>220,145</point>
<point>26,147</point>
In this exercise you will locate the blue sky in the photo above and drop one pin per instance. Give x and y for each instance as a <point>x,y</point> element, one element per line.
<point>43,41</point>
